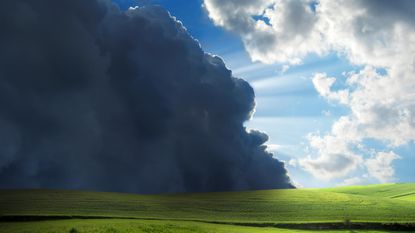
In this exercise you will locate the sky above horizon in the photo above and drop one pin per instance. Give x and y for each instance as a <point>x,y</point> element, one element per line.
<point>333,81</point>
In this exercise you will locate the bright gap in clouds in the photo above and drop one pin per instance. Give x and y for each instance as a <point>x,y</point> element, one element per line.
<point>366,128</point>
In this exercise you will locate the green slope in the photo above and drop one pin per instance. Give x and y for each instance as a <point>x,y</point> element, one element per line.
<point>403,191</point>
<point>269,206</point>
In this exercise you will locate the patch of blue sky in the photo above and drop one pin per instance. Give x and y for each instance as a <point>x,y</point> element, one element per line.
<point>406,152</point>
<point>373,143</point>
<point>289,106</point>
<point>303,179</point>
<point>381,71</point>
<point>293,94</point>
<point>289,130</point>
<point>313,5</point>
<point>404,169</point>
<point>266,20</point>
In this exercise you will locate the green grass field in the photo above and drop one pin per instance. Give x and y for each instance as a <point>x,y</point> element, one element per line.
<point>391,203</point>
<point>144,226</point>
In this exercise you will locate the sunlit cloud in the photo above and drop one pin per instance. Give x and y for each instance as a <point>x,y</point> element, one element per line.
<point>377,38</point>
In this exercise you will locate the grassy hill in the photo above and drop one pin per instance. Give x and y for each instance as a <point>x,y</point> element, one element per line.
<point>390,203</point>
<point>394,191</point>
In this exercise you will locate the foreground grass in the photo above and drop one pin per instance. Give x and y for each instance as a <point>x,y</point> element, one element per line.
<point>369,206</point>
<point>141,226</point>
<point>274,206</point>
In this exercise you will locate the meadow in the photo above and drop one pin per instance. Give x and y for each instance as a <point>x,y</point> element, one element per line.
<point>145,226</point>
<point>250,211</point>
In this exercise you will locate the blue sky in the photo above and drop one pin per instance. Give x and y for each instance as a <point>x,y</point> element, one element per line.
<point>289,107</point>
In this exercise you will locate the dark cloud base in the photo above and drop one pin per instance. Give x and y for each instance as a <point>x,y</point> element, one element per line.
<point>95,98</point>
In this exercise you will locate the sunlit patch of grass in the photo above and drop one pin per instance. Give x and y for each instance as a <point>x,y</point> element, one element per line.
<point>404,191</point>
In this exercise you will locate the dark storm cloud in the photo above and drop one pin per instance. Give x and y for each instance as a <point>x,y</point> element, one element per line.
<point>95,98</point>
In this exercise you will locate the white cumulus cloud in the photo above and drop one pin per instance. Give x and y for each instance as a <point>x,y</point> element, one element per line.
<point>379,36</point>
<point>380,166</point>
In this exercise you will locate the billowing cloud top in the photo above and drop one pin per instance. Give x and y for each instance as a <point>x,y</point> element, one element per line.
<point>95,98</point>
